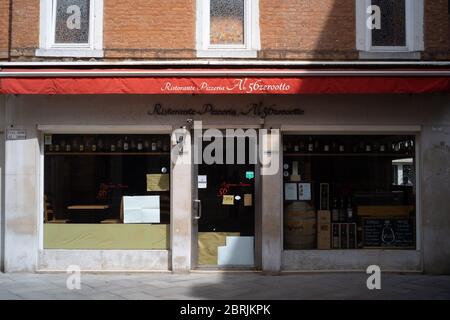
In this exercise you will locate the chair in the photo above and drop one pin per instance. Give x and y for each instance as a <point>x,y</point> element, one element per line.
<point>48,211</point>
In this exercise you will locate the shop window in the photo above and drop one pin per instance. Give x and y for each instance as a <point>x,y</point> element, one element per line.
<point>107,192</point>
<point>227,28</point>
<point>71,28</point>
<point>389,29</point>
<point>349,192</point>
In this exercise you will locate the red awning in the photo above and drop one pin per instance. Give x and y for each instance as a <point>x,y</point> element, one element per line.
<point>51,82</point>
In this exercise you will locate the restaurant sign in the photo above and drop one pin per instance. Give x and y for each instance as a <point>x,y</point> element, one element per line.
<point>253,109</point>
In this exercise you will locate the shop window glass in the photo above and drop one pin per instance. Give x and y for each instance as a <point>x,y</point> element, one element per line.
<point>107,192</point>
<point>227,22</point>
<point>349,192</point>
<point>393,24</point>
<point>72,21</point>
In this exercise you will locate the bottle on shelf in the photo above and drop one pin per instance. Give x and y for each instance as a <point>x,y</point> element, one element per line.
<point>50,148</point>
<point>334,147</point>
<point>126,144</point>
<point>81,146</point>
<point>133,145</point>
<point>146,145</point>
<point>341,147</point>
<point>159,145</point>
<point>68,147</point>
<point>94,146</point>
<point>368,147</point>
<point>326,147</point>
<point>296,147</point>
<point>382,148</point>
<point>335,211</point>
<point>113,147</point>
<point>153,145</point>
<point>310,145</point>
<point>166,145</point>
<point>317,145</point>
<point>100,145</point>
<point>57,147</point>
<point>119,145</point>
<point>140,145</point>
<point>342,211</point>
<point>349,209</point>
<point>75,145</point>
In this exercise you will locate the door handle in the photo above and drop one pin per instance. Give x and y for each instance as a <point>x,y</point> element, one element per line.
<point>199,209</point>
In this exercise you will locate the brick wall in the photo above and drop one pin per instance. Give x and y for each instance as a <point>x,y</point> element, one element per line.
<point>320,29</point>
<point>290,29</point>
<point>149,29</point>
<point>25,29</point>
<point>4,29</point>
<point>437,30</point>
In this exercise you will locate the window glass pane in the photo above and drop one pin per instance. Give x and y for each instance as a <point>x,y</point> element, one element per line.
<point>349,192</point>
<point>72,21</point>
<point>227,21</point>
<point>107,192</point>
<point>393,24</point>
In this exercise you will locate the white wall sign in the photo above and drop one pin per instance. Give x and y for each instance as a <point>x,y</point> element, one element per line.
<point>202,182</point>
<point>142,209</point>
<point>16,134</point>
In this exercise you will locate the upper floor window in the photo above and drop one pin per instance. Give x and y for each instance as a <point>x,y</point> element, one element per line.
<point>71,28</point>
<point>228,28</point>
<point>389,29</point>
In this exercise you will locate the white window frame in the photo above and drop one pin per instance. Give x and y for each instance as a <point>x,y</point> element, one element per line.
<point>414,17</point>
<point>251,44</point>
<point>48,47</point>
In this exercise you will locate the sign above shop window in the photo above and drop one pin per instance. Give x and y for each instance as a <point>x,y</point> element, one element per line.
<point>253,109</point>
<point>16,134</point>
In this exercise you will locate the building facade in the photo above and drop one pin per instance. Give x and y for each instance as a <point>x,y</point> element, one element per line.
<point>275,136</point>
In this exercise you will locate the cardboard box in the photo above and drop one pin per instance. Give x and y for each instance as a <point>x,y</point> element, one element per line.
<point>324,230</point>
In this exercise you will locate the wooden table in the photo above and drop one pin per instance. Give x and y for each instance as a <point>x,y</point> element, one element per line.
<point>80,213</point>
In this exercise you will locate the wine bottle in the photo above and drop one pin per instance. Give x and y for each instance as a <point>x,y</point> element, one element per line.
<point>296,147</point>
<point>166,145</point>
<point>120,144</point>
<point>133,145</point>
<point>382,148</point>
<point>342,211</point>
<point>159,145</point>
<point>153,145</point>
<point>341,147</point>
<point>68,147</point>
<point>335,211</point>
<point>349,209</point>
<point>368,147</point>
<point>310,145</point>
<point>126,144</point>
<point>100,145</point>
<point>140,145</point>
<point>326,146</point>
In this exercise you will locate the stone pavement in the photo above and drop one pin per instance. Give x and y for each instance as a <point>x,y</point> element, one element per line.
<point>223,286</point>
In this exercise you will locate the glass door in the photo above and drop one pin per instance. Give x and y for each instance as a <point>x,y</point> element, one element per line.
<point>225,214</point>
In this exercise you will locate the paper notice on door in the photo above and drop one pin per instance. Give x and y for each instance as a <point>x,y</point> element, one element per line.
<point>290,192</point>
<point>158,182</point>
<point>248,200</point>
<point>202,182</point>
<point>228,200</point>
<point>304,191</point>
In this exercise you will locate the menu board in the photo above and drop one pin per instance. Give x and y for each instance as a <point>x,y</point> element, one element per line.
<point>388,233</point>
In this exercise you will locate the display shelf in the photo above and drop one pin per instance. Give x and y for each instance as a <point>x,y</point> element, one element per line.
<point>107,153</point>
<point>369,154</point>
